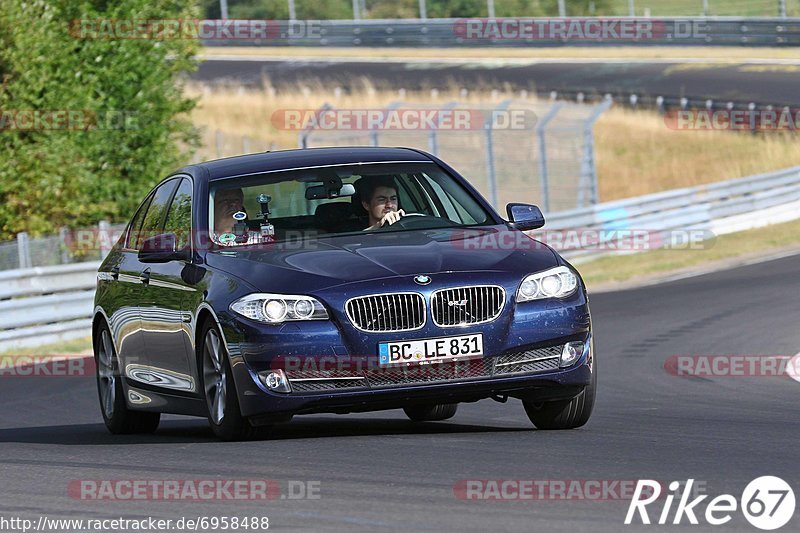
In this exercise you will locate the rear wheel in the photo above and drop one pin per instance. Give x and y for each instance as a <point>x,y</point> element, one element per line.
<point>564,414</point>
<point>119,419</point>
<point>224,416</point>
<point>431,413</point>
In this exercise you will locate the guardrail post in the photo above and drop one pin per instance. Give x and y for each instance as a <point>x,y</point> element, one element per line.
<point>373,134</point>
<point>63,233</point>
<point>491,174</point>
<point>433,138</point>
<point>544,178</point>
<point>588,178</point>
<point>24,250</point>
<point>782,8</point>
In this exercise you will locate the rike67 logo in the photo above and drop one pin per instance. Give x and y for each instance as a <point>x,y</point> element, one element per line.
<point>767,503</point>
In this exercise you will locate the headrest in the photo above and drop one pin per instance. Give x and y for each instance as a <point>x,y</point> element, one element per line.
<point>330,214</point>
<point>357,209</point>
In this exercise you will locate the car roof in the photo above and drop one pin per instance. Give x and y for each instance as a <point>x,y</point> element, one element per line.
<point>304,158</point>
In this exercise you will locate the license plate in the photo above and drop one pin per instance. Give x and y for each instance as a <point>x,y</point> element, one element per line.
<point>426,351</point>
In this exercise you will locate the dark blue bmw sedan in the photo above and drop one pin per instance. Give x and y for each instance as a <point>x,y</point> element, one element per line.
<point>335,280</point>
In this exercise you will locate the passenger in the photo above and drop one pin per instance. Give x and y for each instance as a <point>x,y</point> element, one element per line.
<point>379,198</point>
<point>227,202</point>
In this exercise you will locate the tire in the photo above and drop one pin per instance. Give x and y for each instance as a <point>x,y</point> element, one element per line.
<point>564,414</point>
<point>119,419</point>
<point>219,389</point>
<point>431,413</point>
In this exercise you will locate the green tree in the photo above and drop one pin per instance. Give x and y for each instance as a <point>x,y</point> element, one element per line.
<point>133,126</point>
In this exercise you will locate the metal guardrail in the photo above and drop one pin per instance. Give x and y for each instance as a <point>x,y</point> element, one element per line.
<point>713,209</point>
<point>457,33</point>
<point>47,304</point>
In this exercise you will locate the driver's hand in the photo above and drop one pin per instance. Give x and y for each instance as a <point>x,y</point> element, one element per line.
<point>391,217</point>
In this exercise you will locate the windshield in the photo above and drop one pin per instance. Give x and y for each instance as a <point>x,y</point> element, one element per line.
<point>329,201</point>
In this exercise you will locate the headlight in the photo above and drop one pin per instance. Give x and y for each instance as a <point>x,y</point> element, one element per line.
<point>278,308</point>
<point>557,282</point>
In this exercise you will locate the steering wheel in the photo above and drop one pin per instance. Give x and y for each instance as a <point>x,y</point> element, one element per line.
<point>417,221</point>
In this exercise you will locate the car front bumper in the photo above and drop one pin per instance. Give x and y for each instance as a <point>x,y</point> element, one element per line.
<point>331,370</point>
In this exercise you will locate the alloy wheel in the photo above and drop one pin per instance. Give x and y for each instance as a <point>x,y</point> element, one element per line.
<point>214,376</point>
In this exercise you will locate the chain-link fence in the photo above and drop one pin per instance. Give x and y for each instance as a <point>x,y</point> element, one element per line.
<point>522,151</point>
<point>69,246</point>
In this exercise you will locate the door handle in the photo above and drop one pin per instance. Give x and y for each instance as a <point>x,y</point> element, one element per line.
<point>144,277</point>
<point>115,273</point>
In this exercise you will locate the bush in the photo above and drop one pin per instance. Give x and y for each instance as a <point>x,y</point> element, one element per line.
<point>129,124</point>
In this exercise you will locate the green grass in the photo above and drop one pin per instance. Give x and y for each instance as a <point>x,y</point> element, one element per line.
<point>723,249</point>
<point>691,8</point>
<point>70,347</point>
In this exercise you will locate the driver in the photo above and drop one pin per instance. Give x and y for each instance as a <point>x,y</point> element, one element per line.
<point>379,198</point>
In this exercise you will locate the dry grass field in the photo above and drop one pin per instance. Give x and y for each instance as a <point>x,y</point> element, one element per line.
<point>636,152</point>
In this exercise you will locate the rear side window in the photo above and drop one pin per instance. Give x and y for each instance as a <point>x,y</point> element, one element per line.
<point>179,217</point>
<point>153,222</point>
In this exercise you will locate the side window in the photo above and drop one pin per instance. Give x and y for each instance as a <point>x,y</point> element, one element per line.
<point>136,224</point>
<point>179,216</point>
<point>153,223</point>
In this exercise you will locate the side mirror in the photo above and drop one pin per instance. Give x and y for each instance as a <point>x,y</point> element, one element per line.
<point>525,217</point>
<point>161,249</point>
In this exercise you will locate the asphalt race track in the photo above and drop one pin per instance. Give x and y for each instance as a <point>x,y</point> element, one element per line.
<point>763,84</point>
<point>381,472</point>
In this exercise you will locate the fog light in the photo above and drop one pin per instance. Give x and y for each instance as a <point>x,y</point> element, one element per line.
<point>572,352</point>
<point>275,381</point>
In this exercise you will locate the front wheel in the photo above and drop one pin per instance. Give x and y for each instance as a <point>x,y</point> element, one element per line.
<point>564,414</point>
<point>119,419</point>
<point>224,416</point>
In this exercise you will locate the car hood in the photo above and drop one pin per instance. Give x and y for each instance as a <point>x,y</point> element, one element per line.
<point>316,264</point>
